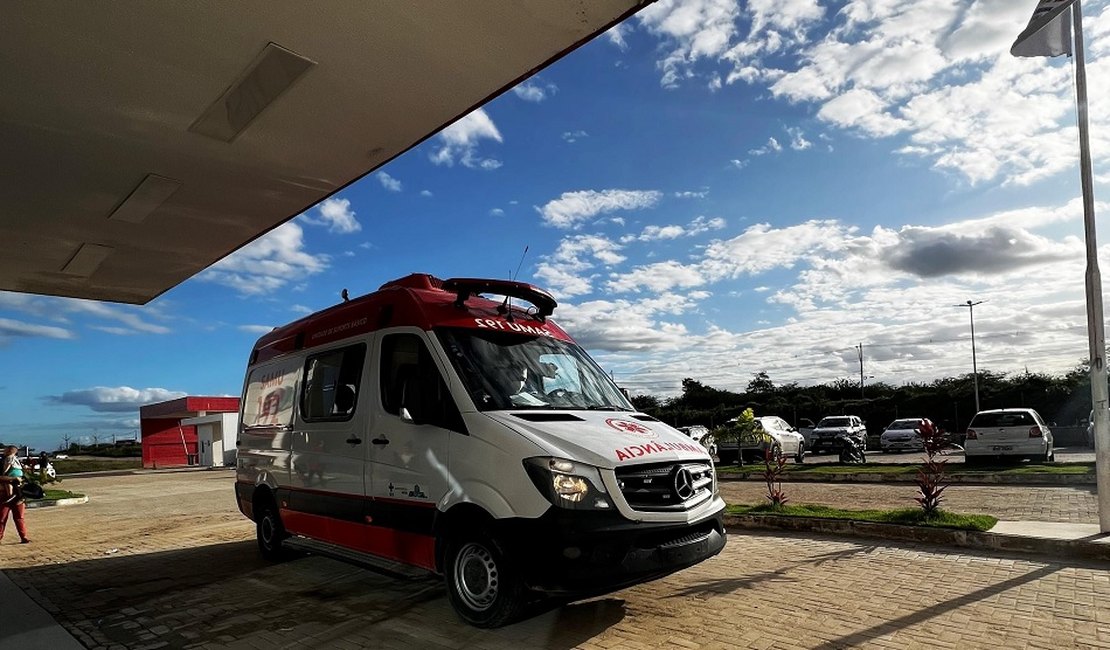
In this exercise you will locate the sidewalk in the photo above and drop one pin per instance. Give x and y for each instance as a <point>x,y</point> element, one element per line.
<point>27,625</point>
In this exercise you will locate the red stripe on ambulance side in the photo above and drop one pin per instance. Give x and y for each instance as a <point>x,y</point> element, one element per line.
<point>410,548</point>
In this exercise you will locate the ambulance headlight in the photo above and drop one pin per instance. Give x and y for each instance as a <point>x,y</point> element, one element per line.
<point>567,484</point>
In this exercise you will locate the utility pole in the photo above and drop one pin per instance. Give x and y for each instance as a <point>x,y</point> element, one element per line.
<point>974,366</point>
<point>859,351</point>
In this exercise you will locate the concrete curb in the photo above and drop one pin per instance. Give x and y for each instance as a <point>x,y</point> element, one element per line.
<point>1049,480</point>
<point>49,503</point>
<point>988,541</point>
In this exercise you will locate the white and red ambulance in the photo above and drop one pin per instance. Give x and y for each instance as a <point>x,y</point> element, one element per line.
<point>429,425</point>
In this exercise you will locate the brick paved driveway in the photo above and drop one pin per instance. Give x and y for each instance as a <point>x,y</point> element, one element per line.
<point>185,574</point>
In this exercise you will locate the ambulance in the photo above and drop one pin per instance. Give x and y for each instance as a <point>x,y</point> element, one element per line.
<point>452,426</point>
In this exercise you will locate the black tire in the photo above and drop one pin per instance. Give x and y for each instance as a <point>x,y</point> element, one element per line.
<point>776,452</point>
<point>270,531</point>
<point>483,586</point>
<point>801,456</point>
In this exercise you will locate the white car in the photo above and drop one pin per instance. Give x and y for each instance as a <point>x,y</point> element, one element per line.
<point>785,437</point>
<point>772,433</point>
<point>697,433</point>
<point>1008,432</point>
<point>902,434</point>
<point>825,433</point>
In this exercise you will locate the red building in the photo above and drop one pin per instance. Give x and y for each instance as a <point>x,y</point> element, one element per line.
<point>167,440</point>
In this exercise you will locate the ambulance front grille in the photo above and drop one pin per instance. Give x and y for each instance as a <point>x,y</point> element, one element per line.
<point>665,486</point>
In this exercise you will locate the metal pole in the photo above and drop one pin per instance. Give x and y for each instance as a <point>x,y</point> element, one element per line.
<point>860,351</point>
<point>974,364</point>
<point>1096,324</point>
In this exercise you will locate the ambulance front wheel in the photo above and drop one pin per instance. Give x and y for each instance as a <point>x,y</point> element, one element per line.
<point>270,531</point>
<point>482,585</point>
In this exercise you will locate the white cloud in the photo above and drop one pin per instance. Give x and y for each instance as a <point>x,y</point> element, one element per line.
<point>938,74</point>
<point>497,212</point>
<point>334,214</point>
<point>798,140</point>
<point>574,136</point>
<point>256,329</point>
<point>532,91</point>
<point>388,182</point>
<point>572,208</point>
<point>695,227</point>
<point>117,399</point>
<point>833,286</point>
<point>617,35</point>
<point>10,329</point>
<point>268,263</point>
<point>772,146</point>
<point>567,271</point>
<point>425,193</point>
<point>459,142</point>
<point>133,318</point>
<point>657,277</point>
<point>701,194</point>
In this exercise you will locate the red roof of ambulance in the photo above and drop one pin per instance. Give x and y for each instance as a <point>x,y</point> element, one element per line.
<point>417,300</point>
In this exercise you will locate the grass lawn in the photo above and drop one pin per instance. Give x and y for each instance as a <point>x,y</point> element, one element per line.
<point>903,516</point>
<point>79,465</point>
<point>61,494</point>
<point>911,469</point>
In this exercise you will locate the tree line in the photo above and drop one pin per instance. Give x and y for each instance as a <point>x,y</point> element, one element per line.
<point>949,402</point>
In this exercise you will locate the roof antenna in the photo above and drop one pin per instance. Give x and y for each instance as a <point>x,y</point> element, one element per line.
<point>520,263</point>
<point>345,296</point>
<point>507,306</point>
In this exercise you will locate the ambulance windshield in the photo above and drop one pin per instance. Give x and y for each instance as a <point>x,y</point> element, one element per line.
<point>504,370</point>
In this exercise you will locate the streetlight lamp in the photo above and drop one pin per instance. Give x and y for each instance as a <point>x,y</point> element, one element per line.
<point>974,366</point>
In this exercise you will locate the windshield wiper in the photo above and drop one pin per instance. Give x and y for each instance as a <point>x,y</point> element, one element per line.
<point>607,407</point>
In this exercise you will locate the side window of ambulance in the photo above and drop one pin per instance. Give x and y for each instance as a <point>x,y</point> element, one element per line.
<point>331,384</point>
<point>410,379</point>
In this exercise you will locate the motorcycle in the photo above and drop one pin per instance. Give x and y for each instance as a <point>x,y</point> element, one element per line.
<point>851,451</point>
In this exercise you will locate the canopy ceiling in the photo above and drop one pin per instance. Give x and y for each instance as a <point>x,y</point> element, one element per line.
<point>143,141</point>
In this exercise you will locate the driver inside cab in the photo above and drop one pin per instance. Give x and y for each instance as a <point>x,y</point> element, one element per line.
<point>517,385</point>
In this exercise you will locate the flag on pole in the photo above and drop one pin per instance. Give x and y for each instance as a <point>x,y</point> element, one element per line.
<point>1048,32</point>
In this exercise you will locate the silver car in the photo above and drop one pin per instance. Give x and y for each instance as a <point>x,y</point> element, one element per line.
<point>903,435</point>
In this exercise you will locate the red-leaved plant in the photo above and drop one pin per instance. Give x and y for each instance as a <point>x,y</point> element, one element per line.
<point>773,468</point>
<point>931,481</point>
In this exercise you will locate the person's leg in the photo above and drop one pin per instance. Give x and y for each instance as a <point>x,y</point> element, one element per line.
<point>19,512</point>
<point>3,518</point>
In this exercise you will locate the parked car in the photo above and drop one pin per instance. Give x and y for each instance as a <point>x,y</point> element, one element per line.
<point>824,434</point>
<point>1008,432</point>
<point>805,427</point>
<point>698,433</point>
<point>772,433</point>
<point>903,434</point>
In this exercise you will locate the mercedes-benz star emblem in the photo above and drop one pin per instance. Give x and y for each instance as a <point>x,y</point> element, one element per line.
<point>684,483</point>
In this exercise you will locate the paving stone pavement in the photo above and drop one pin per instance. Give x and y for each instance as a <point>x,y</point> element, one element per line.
<point>185,574</point>
<point>1076,504</point>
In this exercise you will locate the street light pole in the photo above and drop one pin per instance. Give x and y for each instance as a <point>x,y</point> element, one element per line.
<point>859,350</point>
<point>974,365</point>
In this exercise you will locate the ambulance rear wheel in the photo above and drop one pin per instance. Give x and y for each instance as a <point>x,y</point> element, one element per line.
<point>270,532</point>
<point>482,585</point>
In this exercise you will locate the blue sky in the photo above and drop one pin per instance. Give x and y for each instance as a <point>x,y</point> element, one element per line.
<point>712,189</point>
